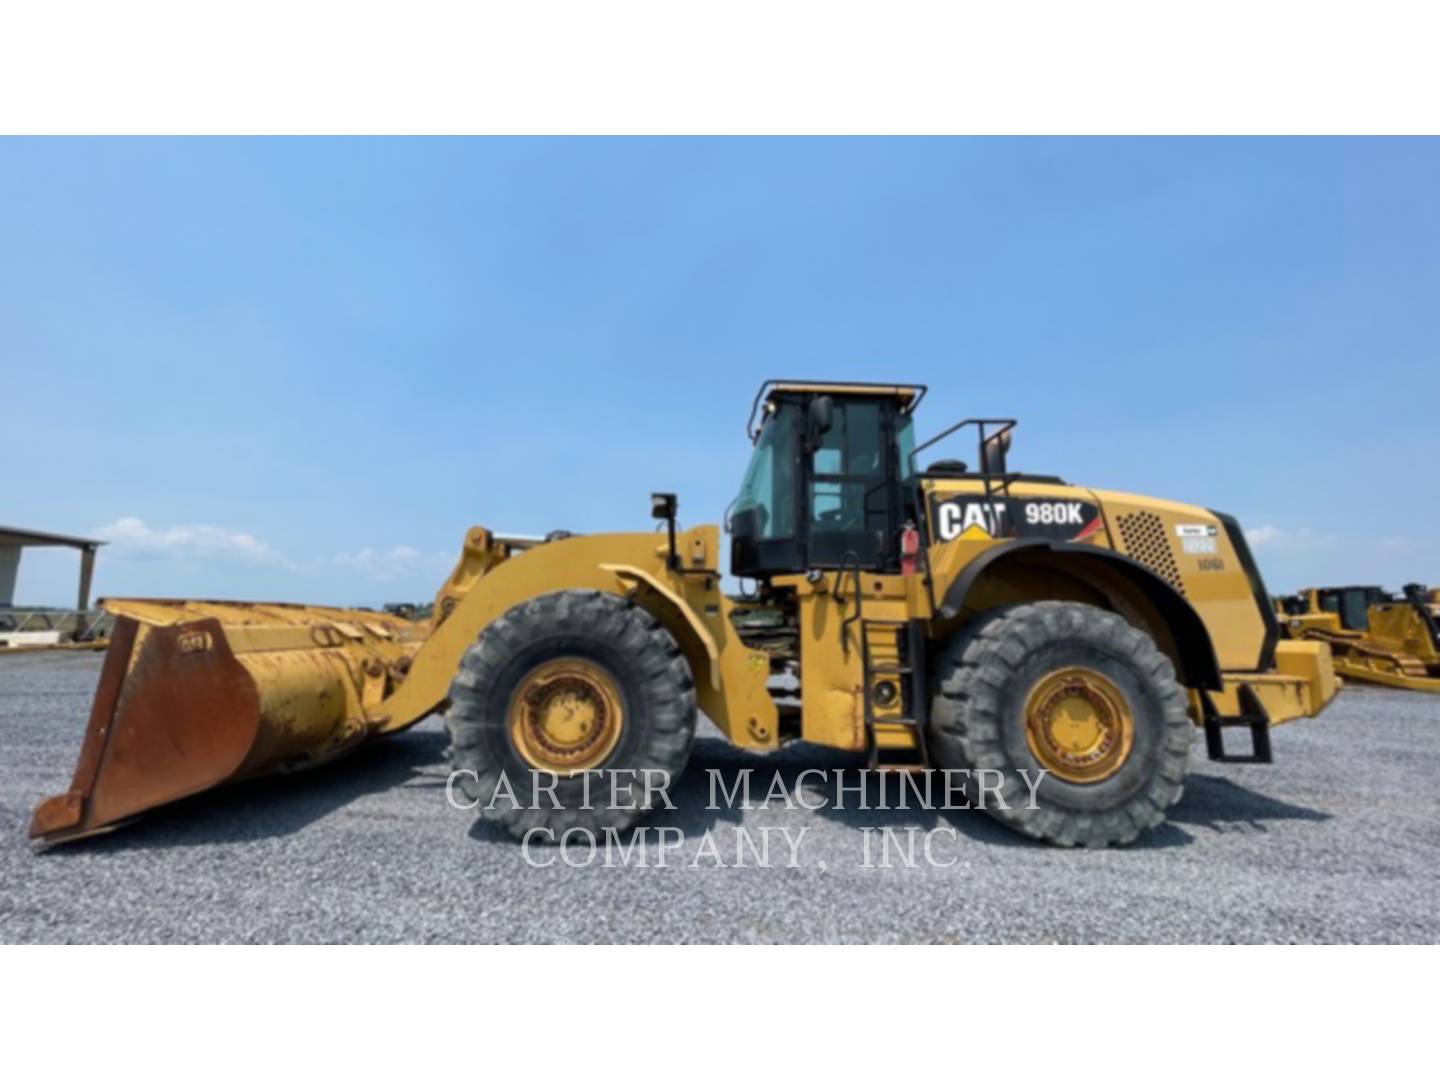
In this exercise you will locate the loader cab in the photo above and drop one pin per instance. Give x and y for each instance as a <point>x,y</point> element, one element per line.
<point>826,484</point>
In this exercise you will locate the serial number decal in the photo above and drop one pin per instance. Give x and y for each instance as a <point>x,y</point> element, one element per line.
<point>974,517</point>
<point>1197,538</point>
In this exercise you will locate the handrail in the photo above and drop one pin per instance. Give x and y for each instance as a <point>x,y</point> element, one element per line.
<point>984,438</point>
<point>986,477</point>
<point>853,561</point>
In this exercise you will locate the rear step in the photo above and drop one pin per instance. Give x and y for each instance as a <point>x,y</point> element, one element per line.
<point>1254,717</point>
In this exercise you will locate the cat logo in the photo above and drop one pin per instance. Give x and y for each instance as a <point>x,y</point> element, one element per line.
<point>192,641</point>
<point>971,520</point>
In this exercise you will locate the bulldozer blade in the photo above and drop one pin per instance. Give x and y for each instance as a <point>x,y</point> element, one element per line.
<point>192,696</point>
<point>1366,670</point>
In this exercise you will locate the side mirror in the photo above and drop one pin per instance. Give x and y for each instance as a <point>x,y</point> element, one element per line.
<point>822,414</point>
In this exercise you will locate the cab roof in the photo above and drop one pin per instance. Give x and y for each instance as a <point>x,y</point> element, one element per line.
<point>909,394</point>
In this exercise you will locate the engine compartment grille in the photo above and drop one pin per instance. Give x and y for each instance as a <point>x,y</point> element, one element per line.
<point>1145,540</point>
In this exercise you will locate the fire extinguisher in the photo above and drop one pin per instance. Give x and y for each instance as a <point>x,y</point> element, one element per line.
<point>909,548</point>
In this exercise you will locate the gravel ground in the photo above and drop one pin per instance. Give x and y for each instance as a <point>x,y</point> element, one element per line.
<point>1337,842</point>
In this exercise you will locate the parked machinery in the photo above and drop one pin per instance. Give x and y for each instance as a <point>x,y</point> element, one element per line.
<point>1374,636</point>
<point>932,616</point>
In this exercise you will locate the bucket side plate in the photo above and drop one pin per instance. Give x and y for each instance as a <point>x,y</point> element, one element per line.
<point>181,718</point>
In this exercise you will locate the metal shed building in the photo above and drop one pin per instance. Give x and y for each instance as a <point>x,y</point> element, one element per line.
<point>14,541</point>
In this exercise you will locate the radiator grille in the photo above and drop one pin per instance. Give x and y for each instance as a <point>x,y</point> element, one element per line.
<point>1145,541</point>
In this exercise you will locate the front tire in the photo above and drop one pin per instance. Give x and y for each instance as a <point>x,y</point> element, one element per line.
<point>1074,690</point>
<point>584,688</point>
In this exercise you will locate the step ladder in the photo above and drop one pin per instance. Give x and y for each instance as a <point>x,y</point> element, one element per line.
<point>1253,716</point>
<point>896,739</point>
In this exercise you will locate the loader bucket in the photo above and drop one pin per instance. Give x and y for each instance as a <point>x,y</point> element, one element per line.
<point>194,694</point>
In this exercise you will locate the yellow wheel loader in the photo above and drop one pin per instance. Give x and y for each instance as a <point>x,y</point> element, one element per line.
<point>1373,636</point>
<point>946,616</point>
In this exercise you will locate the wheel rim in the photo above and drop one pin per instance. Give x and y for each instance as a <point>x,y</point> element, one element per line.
<point>1079,725</point>
<point>566,716</point>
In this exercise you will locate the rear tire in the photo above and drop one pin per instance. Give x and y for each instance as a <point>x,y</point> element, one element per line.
<point>644,677</point>
<point>1012,690</point>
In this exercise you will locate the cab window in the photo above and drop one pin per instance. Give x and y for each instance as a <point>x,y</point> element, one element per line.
<point>765,507</point>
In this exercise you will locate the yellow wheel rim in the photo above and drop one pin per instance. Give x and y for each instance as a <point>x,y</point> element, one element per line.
<point>565,716</point>
<point>1079,725</point>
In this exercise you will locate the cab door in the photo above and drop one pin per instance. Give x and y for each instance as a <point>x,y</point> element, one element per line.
<point>851,490</point>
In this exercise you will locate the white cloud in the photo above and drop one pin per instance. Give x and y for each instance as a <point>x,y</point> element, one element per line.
<point>1275,538</point>
<point>131,536</point>
<point>1264,534</point>
<point>400,561</point>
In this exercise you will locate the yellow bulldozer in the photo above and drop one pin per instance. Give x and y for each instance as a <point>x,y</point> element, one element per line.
<point>942,616</point>
<point>1374,636</point>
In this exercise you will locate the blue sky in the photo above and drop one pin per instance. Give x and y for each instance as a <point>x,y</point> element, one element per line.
<point>299,369</point>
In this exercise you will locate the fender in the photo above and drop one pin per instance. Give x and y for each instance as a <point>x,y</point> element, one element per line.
<point>633,576</point>
<point>1199,667</point>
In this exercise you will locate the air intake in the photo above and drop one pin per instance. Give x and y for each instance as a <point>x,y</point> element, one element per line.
<point>1143,535</point>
